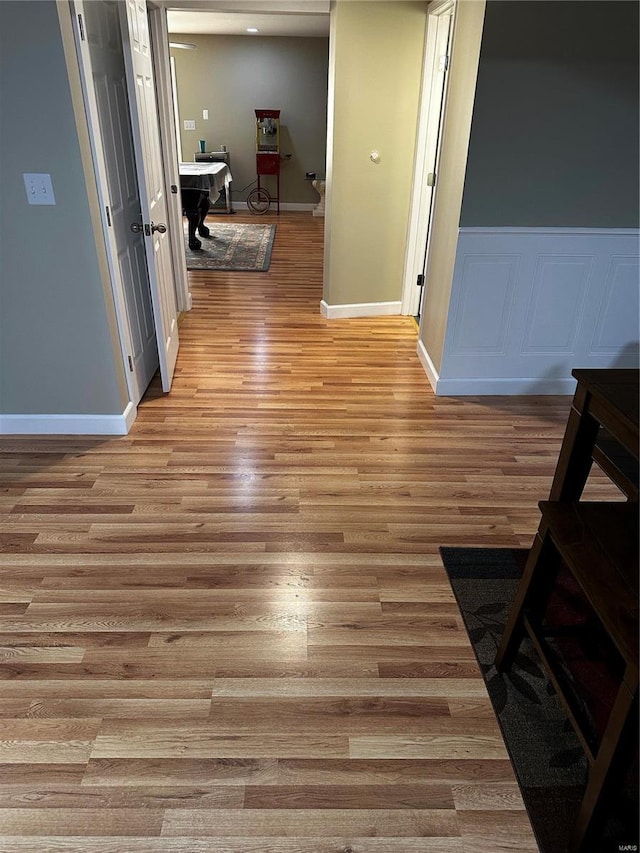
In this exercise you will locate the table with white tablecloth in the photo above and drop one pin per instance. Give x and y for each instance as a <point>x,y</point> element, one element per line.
<point>198,183</point>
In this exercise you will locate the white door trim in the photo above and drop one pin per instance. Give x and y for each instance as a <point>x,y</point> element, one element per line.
<point>100,169</point>
<point>421,194</point>
<point>176,107</point>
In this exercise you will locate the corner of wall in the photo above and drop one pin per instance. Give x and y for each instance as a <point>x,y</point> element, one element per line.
<point>465,54</point>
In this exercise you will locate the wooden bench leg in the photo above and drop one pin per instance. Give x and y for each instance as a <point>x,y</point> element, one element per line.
<point>616,751</point>
<point>575,460</point>
<point>533,592</point>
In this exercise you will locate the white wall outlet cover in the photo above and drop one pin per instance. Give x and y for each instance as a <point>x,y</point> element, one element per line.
<point>39,188</point>
<point>189,124</point>
<point>374,156</point>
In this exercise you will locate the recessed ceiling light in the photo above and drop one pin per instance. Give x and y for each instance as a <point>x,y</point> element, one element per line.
<point>253,30</point>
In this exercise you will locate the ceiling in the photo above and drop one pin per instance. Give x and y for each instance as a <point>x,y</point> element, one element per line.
<point>233,17</point>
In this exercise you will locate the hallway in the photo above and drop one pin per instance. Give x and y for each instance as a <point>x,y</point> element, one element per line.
<point>231,630</point>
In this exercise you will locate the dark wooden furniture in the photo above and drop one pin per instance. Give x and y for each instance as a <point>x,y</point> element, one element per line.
<point>602,427</point>
<point>594,546</point>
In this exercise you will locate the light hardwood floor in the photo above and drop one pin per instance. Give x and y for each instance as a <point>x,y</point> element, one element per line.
<point>230,630</point>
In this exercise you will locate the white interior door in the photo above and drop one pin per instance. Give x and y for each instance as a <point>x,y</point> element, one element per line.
<point>434,128</point>
<point>144,122</point>
<point>432,102</point>
<point>167,117</point>
<point>102,63</point>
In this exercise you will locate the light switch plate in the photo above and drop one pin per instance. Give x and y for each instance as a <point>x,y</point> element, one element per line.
<point>39,188</point>
<point>205,114</point>
<point>189,124</point>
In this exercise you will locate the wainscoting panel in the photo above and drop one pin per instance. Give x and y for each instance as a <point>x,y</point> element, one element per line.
<point>618,315</point>
<point>530,305</point>
<point>483,308</point>
<point>558,294</point>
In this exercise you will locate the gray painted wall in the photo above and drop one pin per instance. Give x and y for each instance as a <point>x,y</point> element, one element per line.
<point>56,350</point>
<point>554,139</point>
<point>233,75</point>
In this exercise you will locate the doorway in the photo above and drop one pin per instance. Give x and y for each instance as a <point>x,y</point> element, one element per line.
<point>224,74</point>
<point>114,57</point>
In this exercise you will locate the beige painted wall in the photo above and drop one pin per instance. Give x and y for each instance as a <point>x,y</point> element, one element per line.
<point>467,36</point>
<point>377,64</point>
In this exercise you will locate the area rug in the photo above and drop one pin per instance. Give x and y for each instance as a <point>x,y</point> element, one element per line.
<point>548,760</point>
<point>242,247</point>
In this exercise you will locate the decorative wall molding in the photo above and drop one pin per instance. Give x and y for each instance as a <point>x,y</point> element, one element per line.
<point>634,233</point>
<point>530,305</point>
<point>360,309</point>
<point>69,424</point>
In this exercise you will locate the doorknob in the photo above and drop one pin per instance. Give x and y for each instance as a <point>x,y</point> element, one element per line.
<point>136,227</point>
<point>160,227</point>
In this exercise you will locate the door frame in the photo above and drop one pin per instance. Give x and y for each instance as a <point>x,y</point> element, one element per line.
<point>160,58</point>
<point>102,183</point>
<point>422,196</point>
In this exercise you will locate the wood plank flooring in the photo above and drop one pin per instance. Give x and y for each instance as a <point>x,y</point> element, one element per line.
<point>230,630</point>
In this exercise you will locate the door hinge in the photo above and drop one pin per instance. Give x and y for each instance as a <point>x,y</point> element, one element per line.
<point>443,63</point>
<point>174,189</point>
<point>106,207</point>
<point>420,280</point>
<point>81,27</point>
<point>431,179</point>
<point>130,363</point>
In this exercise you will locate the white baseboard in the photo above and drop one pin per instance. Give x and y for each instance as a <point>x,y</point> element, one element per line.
<point>359,309</point>
<point>428,366</point>
<point>499,387</point>
<point>69,424</point>
<point>130,414</point>
<point>504,387</point>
